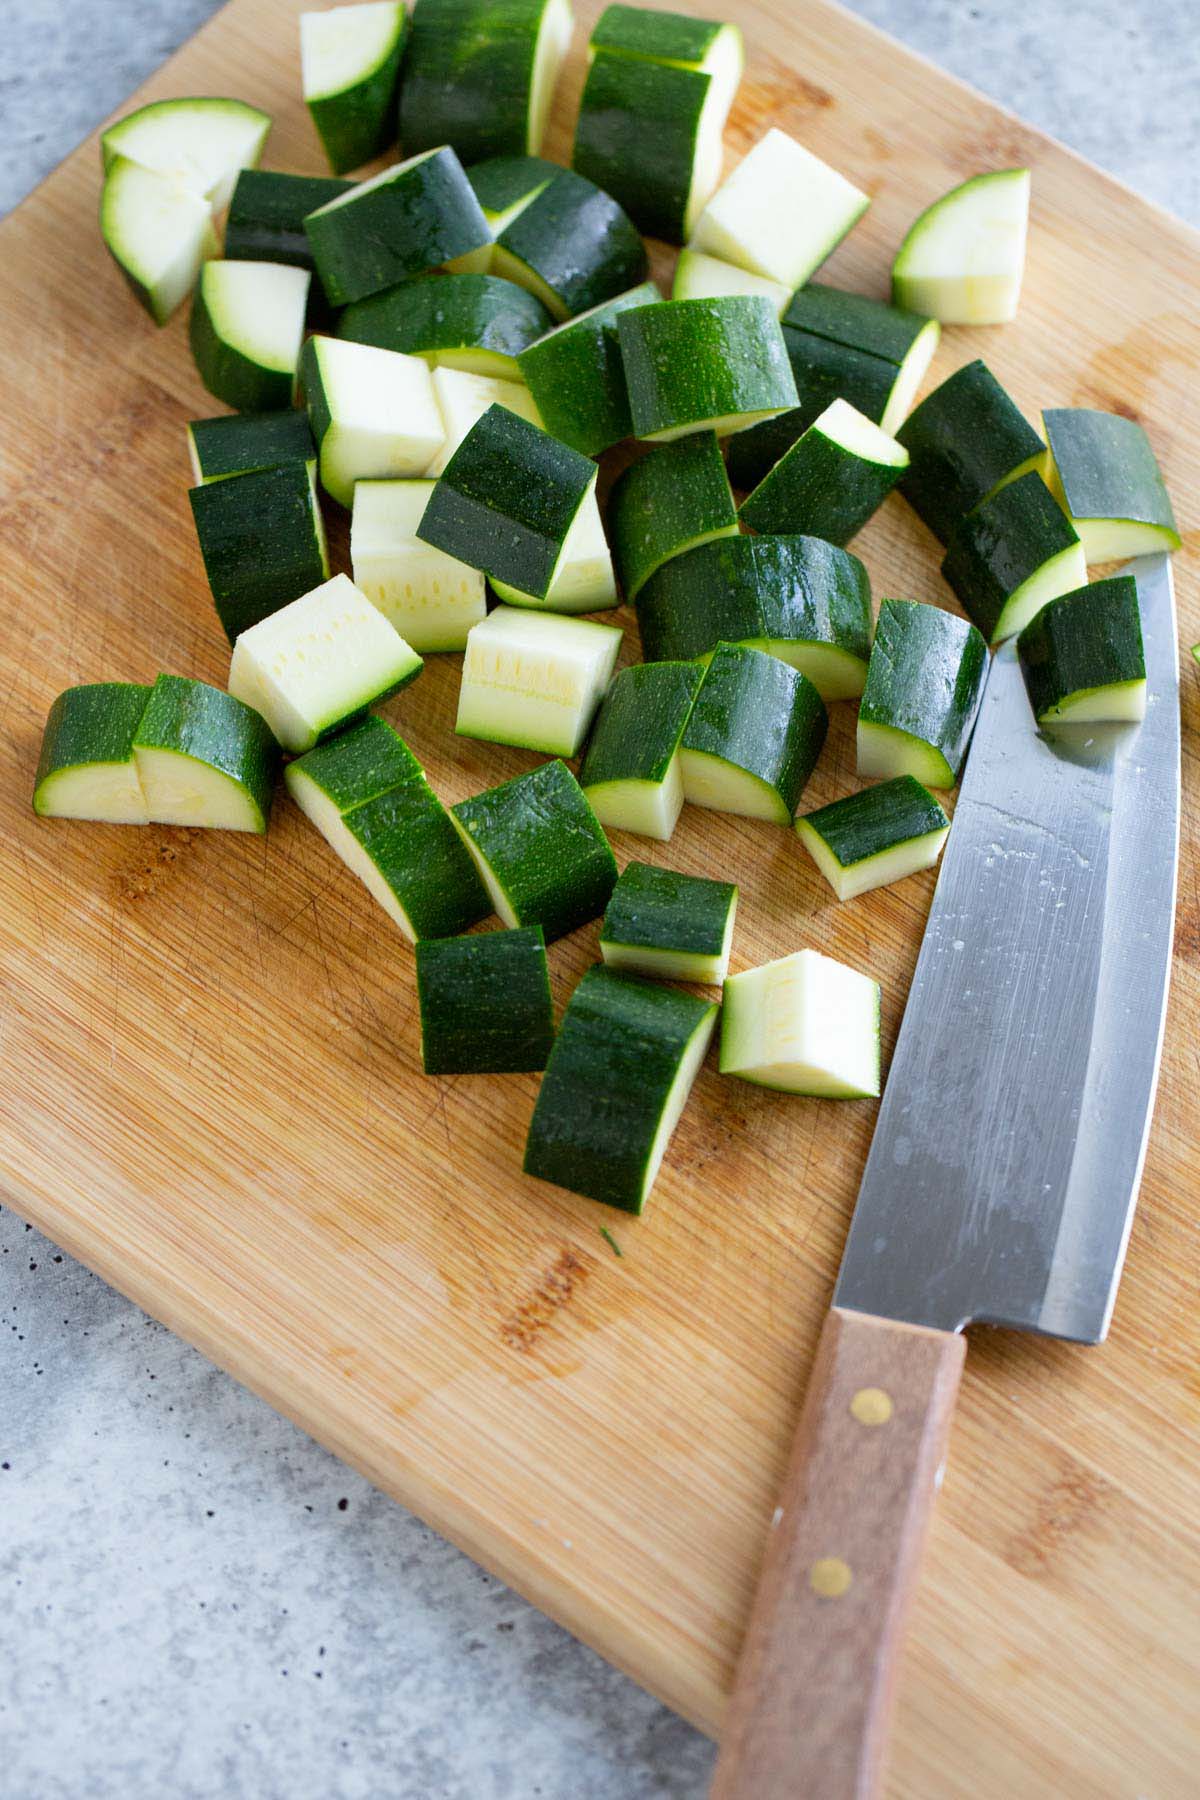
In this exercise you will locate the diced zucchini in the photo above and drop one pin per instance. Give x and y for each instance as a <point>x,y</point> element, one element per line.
<point>702,277</point>
<point>1011,554</point>
<point>157,232</point>
<point>781,212</point>
<point>198,144</point>
<point>374,413</point>
<point>804,1025</point>
<point>485,1003</point>
<point>964,440</point>
<point>575,374</point>
<point>669,926</point>
<point>266,216</point>
<point>963,258</point>
<point>87,768</point>
<point>262,539</point>
<point>631,773</point>
<point>861,323</point>
<point>534,679</point>
<point>754,735</point>
<point>678,39</point>
<point>584,580</point>
<point>674,498</point>
<point>246,329</point>
<point>430,598</point>
<point>478,323</point>
<point>876,837</point>
<point>409,218</point>
<point>203,758</point>
<point>619,1076</point>
<point>505,185</point>
<point>350,68</point>
<point>1082,656</point>
<point>463,399</point>
<point>540,849</point>
<point>317,664</point>
<point>704,365</point>
<point>566,240</point>
<point>242,444</point>
<point>831,481</point>
<point>924,684</point>
<point>480,74</point>
<point>1102,470</point>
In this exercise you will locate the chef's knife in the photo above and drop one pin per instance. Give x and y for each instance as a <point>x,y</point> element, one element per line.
<point>999,1190</point>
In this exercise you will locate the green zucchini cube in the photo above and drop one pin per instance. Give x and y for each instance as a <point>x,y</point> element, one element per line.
<point>350,68</point>
<point>631,772</point>
<point>671,926</point>
<point>831,481</point>
<point>924,684</point>
<point>374,414</point>
<point>397,224</point>
<point>964,440</point>
<point>568,242</point>
<point>1082,656</point>
<point>534,679</point>
<point>262,540</point>
<point>204,758</point>
<point>87,768</point>
<point>1103,471</point>
<point>1012,553</point>
<point>485,1003</point>
<point>781,211</point>
<point>242,444</point>
<point>669,501</point>
<point>430,598</point>
<point>704,365</point>
<point>477,323</point>
<point>575,375</point>
<point>246,329</point>
<point>754,736</point>
<point>265,223</point>
<point>879,836</point>
<point>480,74</point>
<point>804,1024</point>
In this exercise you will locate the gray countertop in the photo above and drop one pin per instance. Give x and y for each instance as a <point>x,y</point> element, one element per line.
<point>195,1600</point>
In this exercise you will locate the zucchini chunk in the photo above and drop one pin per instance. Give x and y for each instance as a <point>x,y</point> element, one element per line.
<point>575,374</point>
<point>265,223</point>
<point>534,679</point>
<point>676,497</point>
<point>198,144</point>
<point>804,1024</point>
<point>798,598</point>
<point>907,340</point>
<point>1011,554</point>
<point>879,836</point>
<point>203,758</point>
<point>540,850</point>
<point>87,769</point>
<point>242,444</point>
<point>755,732</point>
<point>481,74</point>
<point>963,258</point>
<point>246,329</point>
<point>781,212</point>
<point>430,598</point>
<point>672,927</point>
<point>831,481</point>
<point>262,539</point>
<point>350,68</point>
<point>699,276</point>
<point>924,684</point>
<point>965,440</point>
<point>367,795</point>
<point>1103,472</point>
<point>462,401</point>
<point>373,413</point>
<point>505,185</point>
<point>560,236</point>
<point>485,1003</point>
<point>631,773</point>
<point>1082,656</point>
<point>477,323</point>
<point>157,232</point>
<point>584,580</point>
<point>401,222</point>
<point>618,1079</point>
<point>704,365</point>
<point>317,664</point>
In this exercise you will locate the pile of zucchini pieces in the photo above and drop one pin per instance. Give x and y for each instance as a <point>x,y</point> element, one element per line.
<point>467,331</point>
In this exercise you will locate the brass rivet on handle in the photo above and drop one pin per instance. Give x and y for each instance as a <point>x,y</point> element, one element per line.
<point>872,1406</point>
<point>830,1577</point>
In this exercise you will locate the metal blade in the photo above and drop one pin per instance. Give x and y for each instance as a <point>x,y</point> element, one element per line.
<point>1003,1174</point>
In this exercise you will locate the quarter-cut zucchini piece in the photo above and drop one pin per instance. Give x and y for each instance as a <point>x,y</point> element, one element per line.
<point>367,795</point>
<point>781,212</point>
<point>246,329</point>
<point>485,1003</point>
<point>204,758</point>
<point>1082,656</point>
<point>1011,554</point>
<point>401,222</point>
<point>798,598</point>
<point>964,441</point>
<point>675,38</point>
<point>373,413</point>
<point>478,323</point>
<point>1102,470</point>
<point>631,773</point>
<point>673,927</point>
<point>870,839</point>
<point>618,1079</point>
<point>584,580</point>
<point>430,598</point>
<point>704,365</point>
<point>575,374</point>
<point>804,1025</point>
<point>265,222</point>
<point>674,498</point>
<point>834,477</point>
<point>505,185</point>
<point>540,850</point>
<point>157,232</point>
<point>924,684</point>
<point>317,664</point>
<point>963,258</point>
<point>480,74</point>
<point>699,276</point>
<point>350,67</point>
<point>198,144</point>
<point>755,732</point>
<point>568,242</point>
<point>905,339</point>
<point>262,539</point>
<point>462,401</point>
<point>87,768</point>
<point>241,444</point>
<point>534,679</point>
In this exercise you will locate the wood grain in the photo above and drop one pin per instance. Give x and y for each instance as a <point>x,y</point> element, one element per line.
<point>209,1075</point>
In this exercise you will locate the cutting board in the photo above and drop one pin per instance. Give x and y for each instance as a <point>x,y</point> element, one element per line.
<point>209,1073</point>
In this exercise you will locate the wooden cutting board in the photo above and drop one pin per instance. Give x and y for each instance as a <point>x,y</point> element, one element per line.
<point>209,1072</point>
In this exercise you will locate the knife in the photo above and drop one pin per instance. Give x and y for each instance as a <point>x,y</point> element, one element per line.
<point>999,1190</point>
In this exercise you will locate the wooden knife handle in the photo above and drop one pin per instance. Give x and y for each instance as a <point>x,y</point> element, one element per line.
<point>809,1711</point>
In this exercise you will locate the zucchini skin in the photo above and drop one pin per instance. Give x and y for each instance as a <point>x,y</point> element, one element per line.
<point>637,137</point>
<point>360,122</point>
<point>760,715</point>
<point>658,909</point>
<point>872,327</point>
<point>1107,468</point>
<point>925,677</point>
<point>360,763</point>
<point>578,241</point>
<point>963,439</point>
<point>503,180</point>
<point>226,372</point>
<point>426,215</point>
<point>408,835</point>
<point>1000,544</point>
<point>667,37</point>
<point>820,489</point>
<point>468,76</point>
<point>448,312</point>
<point>244,443</point>
<point>577,379</point>
<point>262,541</point>
<point>640,723</point>
<point>880,817</point>
<point>675,497</point>
<point>265,223</point>
<point>688,361</point>
<point>823,372</point>
<point>485,1003</point>
<point>1090,638</point>
<point>203,722</point>
<point>612,1067</point>
<point>93,723</point>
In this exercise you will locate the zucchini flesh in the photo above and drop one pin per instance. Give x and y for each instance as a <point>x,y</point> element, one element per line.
<point>350,66</point>
<point>262,539</point>
<point>477,323</point>
<point>1011,554</point>
<point>618,1079</point>
<point>754,735</point>
<point>197,144</point>
<point>534,679</point>
<point>781,212</point>
<point>430,598</point>
<point>669,926</point>
<point>569,243</point>
<point>676,497</point>
<point>871,839</point>
<point>575,374</point>
<point>804,1025</point>
<point>480,74</point>
<point>204,758</point>
<point>157,233</point>
<point>87,769</point>
<point>232,445</point>
<point>485,1003</point>
<point>699,276</point>
<point>704,365</point>
<point>963,258</point>
<point>246,329</point>
<point>1082,656</point>
<point>374,413</point>
<point>1102,470</point>
<point>412,217</point>
<point>462,401</point>
<point>831,481</point>
<point>964,440</point>
<point>924,684</point>
<point>631,773</point>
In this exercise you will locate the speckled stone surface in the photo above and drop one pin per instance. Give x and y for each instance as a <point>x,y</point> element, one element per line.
<point>197,1603</point>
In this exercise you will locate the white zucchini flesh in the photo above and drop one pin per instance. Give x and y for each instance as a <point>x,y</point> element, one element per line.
<point>780,212</point>
<point>651,808</point>
<point>672,965</point>
<point>535,679</point>
<point>884,751</point>
<point>384,415</point>
<point>462,400</point>
<point>109,793</point>
<point>180,790</point>
<point>859,436</point>
<point>804,1024</point>
<point>320,810</point>
<point>1110,540</point>
<point>699,276</point>
<point>722,787</point>
<point>549,54</point>
<point>200,144</point>
<point>872,871</point>
<point>342,47</point>
<point>708,158</point>
<point>159,232</point>
<point>690,1064</point>
<point>583,579</point>
<point>259,308</point>
<point>430,598</point>
<point>1121,702</point>
<point>913,371</point>
<point>1062,574</point>
<point>963,259</point>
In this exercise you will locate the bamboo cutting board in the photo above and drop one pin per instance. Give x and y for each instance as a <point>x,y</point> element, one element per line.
<point>209,1073</point>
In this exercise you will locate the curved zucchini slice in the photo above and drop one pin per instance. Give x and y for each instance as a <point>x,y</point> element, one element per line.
<point>905,339</point>
<point>803,1025</point>
<point>262,539</point>
<point>879,836</point>
<point>963,258</point>
<point>704,365</point>
<point>485,1003</point>
<point>924,684</point>
<point>481,74</point>
<point>668,926</point>
<point>430,598</point>
<point>576,376</point>
<point>350,67</point>
<point>540,850</point>
<point>246,329</point>
<point>265,222</point>
<point>87,769</point>
<point>754,736</point>
<point>781,212</point>
<point>649,134</point>
<point>702,277</point>
<point>618,1079</point>
<point>204,758</point>
<point>236,444</point>
<point>676,497</point>
<point>462,401</point>
<point>405,220</point>
<point>831,481</point>
<point>1011,554</point>
<point>198,144</point>
<point>476,323</point>
<point>534,679</point>
<point>373,413</point>
<point>1102,470</point>
<point>568,242</point>
<point>631,773</point>
<point>965,440</point>
<point>157,232</point>
<point>1082,656</point>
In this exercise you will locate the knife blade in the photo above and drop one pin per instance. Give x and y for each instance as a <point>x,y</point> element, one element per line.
<point>999,1189</point>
